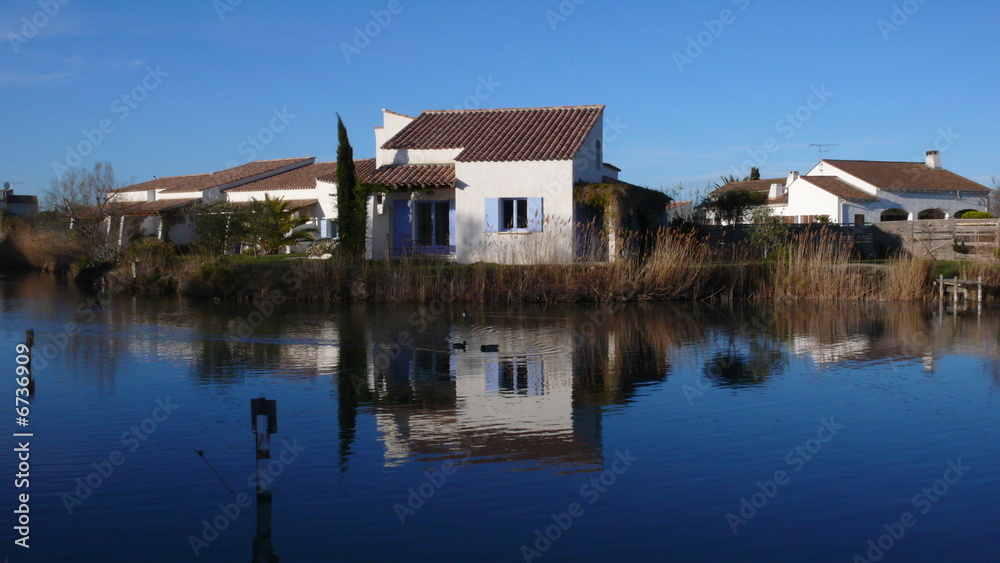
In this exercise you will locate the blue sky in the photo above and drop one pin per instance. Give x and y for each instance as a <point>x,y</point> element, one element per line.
<point>695,91</point>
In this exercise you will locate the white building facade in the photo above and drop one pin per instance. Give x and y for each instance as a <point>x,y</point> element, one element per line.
<point>859,192</point>
<point>483,185</point>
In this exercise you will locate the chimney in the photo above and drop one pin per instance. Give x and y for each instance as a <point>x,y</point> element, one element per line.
<point>934,160</point>
<point>792,176</point>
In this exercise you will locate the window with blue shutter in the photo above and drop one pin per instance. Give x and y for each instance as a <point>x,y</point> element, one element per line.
<point>536,215</point>
<point>491,216</point>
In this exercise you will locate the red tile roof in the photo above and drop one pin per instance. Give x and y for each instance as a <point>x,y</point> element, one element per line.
<point>192,183</point>
<point>839,188</point>
<point>363,169</point>
<point>907,176</point>
<point>303,178</point>
<point>140,209</point>
<point>501,135</point>
<point>415,176</point>
<point>200,182</point>
<point>290,204</point>
<point>750,186</point>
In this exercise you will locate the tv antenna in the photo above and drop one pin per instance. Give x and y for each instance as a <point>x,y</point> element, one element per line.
<point>822,148</point>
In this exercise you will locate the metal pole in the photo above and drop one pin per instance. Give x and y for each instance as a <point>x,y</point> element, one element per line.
<point>979,292</point>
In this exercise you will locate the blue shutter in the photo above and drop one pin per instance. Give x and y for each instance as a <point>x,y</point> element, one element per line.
<point>491,217</point>
<point>451,223</point>
<point>536,215</point>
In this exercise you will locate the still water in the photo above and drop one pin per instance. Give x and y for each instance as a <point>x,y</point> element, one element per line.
<point>668,432</point>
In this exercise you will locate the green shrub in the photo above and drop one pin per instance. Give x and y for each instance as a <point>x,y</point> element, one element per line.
<point>976,215</point>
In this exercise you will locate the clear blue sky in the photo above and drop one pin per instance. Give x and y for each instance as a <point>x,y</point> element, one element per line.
<point>893,92</point>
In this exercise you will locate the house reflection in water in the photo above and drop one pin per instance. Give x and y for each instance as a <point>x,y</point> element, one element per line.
<point>540,398</point>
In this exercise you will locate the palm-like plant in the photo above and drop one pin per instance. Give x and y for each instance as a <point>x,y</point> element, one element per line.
<point>271,226</point>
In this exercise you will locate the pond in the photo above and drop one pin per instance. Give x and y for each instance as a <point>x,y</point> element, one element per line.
<point>640,432</point>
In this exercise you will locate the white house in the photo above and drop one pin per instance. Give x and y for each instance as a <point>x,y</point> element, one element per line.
<point>308,188</point>
<point>491,185</point>
<point>861,191</point>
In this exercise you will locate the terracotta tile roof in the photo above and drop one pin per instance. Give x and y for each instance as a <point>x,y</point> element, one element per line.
<point>839,188</point>
<point>907,176</point>
<point>191,183</point>
<point>141,209</point>
<point>303,178</point>
<point>290,204</point>
<point>501,135</point>
<point>780,200</point>
<point>200,182</point>
<point>750,186</point>
<point>613,167</point>
<point>678,204</point>
<point>415,176</point>
<point>363,169</point>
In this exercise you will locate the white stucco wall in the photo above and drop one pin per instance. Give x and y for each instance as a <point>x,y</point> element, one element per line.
<point>406,156</point>
<point>807,199</point>
<point>392,123</point>
<point>912,202</point>
<point>552,181</point>
<point>588,166</point>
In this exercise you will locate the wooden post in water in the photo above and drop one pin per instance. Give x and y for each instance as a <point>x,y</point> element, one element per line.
<point>979,291</point>
<point>29,341</point>
<point>954,295</point>
<point>264,416</point>
<point>941,287</point>
<point>263,550</point>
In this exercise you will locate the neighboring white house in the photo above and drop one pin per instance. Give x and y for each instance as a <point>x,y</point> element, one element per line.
<point>162,205</point>
<point>484,185</point>
<point>861,191</point>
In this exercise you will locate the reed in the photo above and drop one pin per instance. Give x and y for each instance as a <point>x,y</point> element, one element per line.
<point>662,266</point>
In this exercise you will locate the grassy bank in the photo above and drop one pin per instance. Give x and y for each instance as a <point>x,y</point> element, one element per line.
<point>673,267</point>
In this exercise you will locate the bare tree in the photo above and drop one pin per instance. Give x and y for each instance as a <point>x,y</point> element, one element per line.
<point>85,197</point>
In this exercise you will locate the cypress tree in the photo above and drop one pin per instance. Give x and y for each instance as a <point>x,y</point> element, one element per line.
<point>350,209</point>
